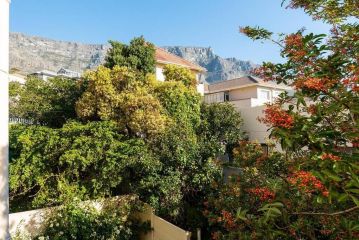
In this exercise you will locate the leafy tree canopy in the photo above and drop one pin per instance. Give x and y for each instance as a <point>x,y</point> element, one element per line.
<point>138,55</point>
<point>129,134</point>
<point>49,103</point>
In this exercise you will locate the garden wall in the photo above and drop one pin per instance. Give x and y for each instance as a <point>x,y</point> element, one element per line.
<point>30,222</point>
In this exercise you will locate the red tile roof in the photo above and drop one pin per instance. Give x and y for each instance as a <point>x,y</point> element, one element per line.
<point>244,81</point>
<point>164,57</point>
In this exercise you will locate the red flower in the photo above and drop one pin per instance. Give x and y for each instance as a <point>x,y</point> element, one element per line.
<point>274,116</point>
<point>315,84</point>
<point>264,193</point>
<point>325,193</point>
<point>307,182</point>
<point>294,40</point>
<point>329,156</point>
<point>294,47</point>
<point>228,219</point>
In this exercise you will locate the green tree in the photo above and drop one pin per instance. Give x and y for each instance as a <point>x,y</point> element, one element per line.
<point>221,128</point>
<point>138,55</point>
<point>180,74</point>
<point>49,166</point>
<point>49,103</point>
<point>136,135</point>
<point>122,95</point>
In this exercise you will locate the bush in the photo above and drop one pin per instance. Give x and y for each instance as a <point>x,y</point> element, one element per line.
<point>109,219</point>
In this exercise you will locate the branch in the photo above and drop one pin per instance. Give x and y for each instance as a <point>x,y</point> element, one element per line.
<point>327,214</point>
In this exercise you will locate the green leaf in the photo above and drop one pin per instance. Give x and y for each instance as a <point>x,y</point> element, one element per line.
<point>355,200</point>
<point>353,190</point>
<point>332,175</point>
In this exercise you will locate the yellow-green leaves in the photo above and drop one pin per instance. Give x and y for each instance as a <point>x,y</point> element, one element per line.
<point>122,95</point>
<point>179,74</point>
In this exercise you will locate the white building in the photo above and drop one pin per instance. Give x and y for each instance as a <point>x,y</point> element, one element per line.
<point>63,72</point>
<point>164,58</point>
<point>44,74</point>
<point>68,73</point>
<point>249,95</point>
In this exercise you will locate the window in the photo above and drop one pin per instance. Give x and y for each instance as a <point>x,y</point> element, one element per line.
<point>226,96</point>
<point>264,94</point>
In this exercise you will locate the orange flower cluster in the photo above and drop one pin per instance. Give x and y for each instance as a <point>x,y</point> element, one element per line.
<point>264,193</point>
<point>294,40</point>
<point>294,47</point>
<point>276,117</point>
<point>307,182</point>
<point>329,156</point>
<point>315,84</point>
<point>228,219</point>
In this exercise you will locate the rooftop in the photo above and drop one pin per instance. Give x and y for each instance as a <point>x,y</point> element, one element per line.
<point>162,56</point>
<point>241,82</point>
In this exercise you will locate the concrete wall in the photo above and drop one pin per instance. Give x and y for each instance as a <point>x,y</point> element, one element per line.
<point>163,230</point>
<point>159,74</point>
<point>256,131</point>
<point>16,78</point>
<point>4,116</point>
<point>30,222</point>
<point>243,93</point>
<point>200,89</point>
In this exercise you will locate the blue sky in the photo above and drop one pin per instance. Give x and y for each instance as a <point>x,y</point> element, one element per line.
<point>203,23</point>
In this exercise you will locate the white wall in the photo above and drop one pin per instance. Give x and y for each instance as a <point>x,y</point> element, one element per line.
<point>159,74</point>
<point>200,89</point>
<point>14,78</point>
<point>243,93</point>
<point>29,223</point>
<point>214,97</point>
<point>4,116</point>
<point>256,131</point>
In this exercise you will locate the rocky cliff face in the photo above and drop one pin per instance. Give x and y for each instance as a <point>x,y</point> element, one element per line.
<point>30,54</point>
<point>217,68</point>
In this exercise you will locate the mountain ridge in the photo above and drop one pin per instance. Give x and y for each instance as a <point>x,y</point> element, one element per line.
<point>32,53</point>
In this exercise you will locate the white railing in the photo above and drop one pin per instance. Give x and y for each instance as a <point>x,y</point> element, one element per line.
<point>16,120</point>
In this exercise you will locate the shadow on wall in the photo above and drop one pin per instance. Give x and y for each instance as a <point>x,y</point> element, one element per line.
<point>4,194</point>
<point>27,223</point>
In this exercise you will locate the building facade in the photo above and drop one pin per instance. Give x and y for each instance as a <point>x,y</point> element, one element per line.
<point>164,58</point>
<point>248,95</point>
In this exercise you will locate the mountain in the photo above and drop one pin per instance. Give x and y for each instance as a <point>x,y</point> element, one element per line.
<point>218,68</point>
<point>30,54</point>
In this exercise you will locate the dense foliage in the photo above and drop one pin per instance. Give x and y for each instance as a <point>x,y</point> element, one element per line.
<point>50,103</point>
<point>107,219</point>
<point>138,55</point>
<point>311,191</point>
<point>130,134</point>
<point>50,166</point>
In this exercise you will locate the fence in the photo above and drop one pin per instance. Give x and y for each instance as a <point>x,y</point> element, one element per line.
<point>15,120</point>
